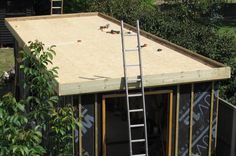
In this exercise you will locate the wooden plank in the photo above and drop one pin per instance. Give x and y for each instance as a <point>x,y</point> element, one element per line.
<point>146,93</point>
<point>170,124</point>
<point>211,119</point>
<point>191,121</point>
<point>177,121</point>
<point>52,17</point>
<point>149,81</point>
<point>103,126</point>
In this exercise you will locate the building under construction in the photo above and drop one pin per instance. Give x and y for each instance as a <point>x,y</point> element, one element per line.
<point>179,100</point>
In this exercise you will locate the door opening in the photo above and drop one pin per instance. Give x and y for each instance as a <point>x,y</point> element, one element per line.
<point>159,124</point>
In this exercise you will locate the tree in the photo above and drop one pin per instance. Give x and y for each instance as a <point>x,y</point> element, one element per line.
<point>37,125</point>
<point>57,123</point>
<point>16,138</point>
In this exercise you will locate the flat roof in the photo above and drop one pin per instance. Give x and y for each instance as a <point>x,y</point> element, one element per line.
<point>90,60</point>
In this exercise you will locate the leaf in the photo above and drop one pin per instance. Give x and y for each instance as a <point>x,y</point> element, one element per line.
<point>20,107</point>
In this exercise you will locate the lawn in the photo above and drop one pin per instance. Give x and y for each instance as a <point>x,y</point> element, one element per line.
<point>6,59</point>
<point>228,26</point>
<point>6,63</point>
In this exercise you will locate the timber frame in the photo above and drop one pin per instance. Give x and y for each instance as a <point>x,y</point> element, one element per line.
<point>218,71</point>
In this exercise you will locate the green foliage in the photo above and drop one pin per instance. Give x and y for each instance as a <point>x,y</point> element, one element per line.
<point>40,81</point>
<point>56,123</point>
<point>63,123</point>
<point>36,125</point>
<point>16,138</point>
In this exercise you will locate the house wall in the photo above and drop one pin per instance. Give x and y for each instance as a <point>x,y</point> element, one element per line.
<point>197,105</point>
<point>12,8</point>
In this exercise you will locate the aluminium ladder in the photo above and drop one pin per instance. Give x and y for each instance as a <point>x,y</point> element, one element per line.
<point>129,95</point>
<point>56,7</point>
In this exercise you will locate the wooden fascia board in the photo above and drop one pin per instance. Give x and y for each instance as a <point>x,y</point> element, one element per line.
<point>52,16</point>
<point>149,81</point>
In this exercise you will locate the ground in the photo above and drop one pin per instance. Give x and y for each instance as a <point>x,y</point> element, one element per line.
<point>6,59</point>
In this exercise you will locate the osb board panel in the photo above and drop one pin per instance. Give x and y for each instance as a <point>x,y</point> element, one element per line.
<point>98,56</point>
<point>99,53</point>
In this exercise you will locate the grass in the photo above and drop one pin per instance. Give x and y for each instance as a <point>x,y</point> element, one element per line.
<point>6,63</point>
<point>228,26</point>
<point>6,59</point>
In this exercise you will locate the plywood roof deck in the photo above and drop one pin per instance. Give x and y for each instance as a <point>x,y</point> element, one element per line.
<point>95,63</point>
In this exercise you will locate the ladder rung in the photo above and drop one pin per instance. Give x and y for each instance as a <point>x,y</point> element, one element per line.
<point>56,7</point>
<point>138,140</point>
<point>135,110</point>
<point>139,155</point>
<point>137,125</point>
<point>132,65</point>
<point>56,0</point>
<point>135,95</point>
<point>130,34</point>
<point>133,80</point>
<point>129,50</point>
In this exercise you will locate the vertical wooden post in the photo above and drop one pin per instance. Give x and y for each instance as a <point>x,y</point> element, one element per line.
<point>191,120</point>
<point>170,124</point>
<point>104,126</point>
<point>211,119</point>
<point>177,121</point>
<point>16,51</point>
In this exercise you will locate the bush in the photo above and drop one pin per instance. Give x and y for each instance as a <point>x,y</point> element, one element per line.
<point>16,138</point>
<point>36,125</point>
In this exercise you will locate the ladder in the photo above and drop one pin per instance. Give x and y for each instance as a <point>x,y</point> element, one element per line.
<point>129,95</point>
<point>56,7</point>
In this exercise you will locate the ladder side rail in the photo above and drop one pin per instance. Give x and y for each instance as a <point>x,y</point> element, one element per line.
<point>51,7</point>
<point>126,85</point>
<point>62,6</point>
<point>142,86</point>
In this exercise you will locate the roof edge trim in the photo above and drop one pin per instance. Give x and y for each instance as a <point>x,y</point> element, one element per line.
<point>149,81</point>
